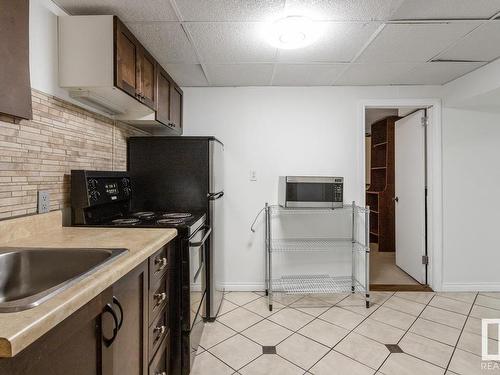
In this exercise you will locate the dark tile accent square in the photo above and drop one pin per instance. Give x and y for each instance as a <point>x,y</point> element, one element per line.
<point>268,350</point>
<point>394,348</point>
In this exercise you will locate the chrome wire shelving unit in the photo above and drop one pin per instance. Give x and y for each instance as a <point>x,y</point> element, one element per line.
<point>358,241</point>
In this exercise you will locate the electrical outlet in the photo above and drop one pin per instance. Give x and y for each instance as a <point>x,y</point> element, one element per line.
<point>43,201</point>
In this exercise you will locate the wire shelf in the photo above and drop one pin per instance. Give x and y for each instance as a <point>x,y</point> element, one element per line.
<point>313,244</point>
<point>315,284</point>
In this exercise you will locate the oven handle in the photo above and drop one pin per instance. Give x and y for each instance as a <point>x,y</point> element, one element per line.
<point>200,243</point>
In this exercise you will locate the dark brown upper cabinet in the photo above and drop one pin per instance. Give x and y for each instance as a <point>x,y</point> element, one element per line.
<point>134,66</point>
<point>169,102</point>
<point>15,96</point>
<point>176,106</point>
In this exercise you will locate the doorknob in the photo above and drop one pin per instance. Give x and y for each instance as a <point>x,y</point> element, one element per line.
<point>395,199</point>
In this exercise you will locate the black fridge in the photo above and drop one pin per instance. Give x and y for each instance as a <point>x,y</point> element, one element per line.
<point>183,174</point>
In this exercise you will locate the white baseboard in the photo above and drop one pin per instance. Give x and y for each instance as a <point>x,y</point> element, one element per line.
<point>244,287</point>
<point>471,287</point>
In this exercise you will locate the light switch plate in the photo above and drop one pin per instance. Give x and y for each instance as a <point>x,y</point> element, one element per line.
<point>43,201</point>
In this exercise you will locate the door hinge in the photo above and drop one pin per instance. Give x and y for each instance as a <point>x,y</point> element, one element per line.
<point>424,121</point>
<point>425,259</point>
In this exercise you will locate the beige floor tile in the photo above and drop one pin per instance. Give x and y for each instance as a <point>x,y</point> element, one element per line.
<point>492,303</point>
<point>465,363</point>
<point>380,332</point>
<point>444,317</point>
<point>426,349</point>
<point>363,349</point>
<point>473,325</point>
<point>311,305</point>
<point>362,310</point>
<point>342,317</point>
<point>435,331</point>
<point>267,333</point>
<point>214,333</point>
<point>404,364</point>
<point>459,296</point>
<point>313,311</point>
<point>357,303</point>
<point>420,297</point>
<point>271,364</point>
<point>241,298</point>
<point>237,351</point>
<point>239,319</point>
<point>472,343</point>
<point>326,333</point>
<point>335,363</point>
<point>484,312</point>
<point>491,294</point>
<point>206,361</point>
<point>260,306</point>
<point>394,318</point>
<point>226,307</point>
<point>291,318</point>
<point>451,305</point>
<point>286,299</point>
<point>301,351</point>
<point>403,305</point>
<point>332,299</point>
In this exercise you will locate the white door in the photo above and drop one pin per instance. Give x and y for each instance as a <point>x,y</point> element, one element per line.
<point>410,194</point>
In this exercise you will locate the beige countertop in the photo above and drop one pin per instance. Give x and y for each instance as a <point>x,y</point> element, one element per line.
<point>20,329</point>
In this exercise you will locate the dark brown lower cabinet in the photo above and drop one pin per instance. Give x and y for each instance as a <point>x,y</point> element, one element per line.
<point>72,347</point>
<point>115,333</point>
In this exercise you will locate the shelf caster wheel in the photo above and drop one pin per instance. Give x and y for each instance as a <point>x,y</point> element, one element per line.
<point>367,304</point>
<point>267,292</point>
<point>270,307</point>
<point>352,289</point>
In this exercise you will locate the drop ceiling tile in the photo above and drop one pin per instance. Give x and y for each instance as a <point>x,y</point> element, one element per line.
<point>230,10</point>
<point>231,42</point>
<point>126,10</point>
<point>413,42</point>
<point>483,44</point>
<point>187,74</point>
<point>339,42</point>
<point>374,74</point>
<point>307,74</point>
<point>437,73</point>
<point>342,10</point>
<point>447,9</point>
<point>165,40</point>
<point>239,74</point>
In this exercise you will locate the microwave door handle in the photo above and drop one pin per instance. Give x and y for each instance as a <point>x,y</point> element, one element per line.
<point>200,243</point>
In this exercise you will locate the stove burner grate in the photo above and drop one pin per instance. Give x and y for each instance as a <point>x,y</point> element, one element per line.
<point>170,221</point>
<point>144,214</point>
<point>177,215</point>
<point>125,221</point>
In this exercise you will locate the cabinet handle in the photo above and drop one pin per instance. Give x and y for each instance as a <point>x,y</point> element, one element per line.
<point>117,303</point>
<point>109,309</point>
<point>162,262</point>
<point>160,297</point>
<point>160,330</point>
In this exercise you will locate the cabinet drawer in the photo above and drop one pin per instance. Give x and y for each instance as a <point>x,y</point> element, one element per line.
<point>159,364</point>
<point>160,262</point>
<point>158,297</point>
<point>158,330</point>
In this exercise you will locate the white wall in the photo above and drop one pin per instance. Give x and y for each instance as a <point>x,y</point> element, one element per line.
<point>279,131</point>
<point>471,183</point>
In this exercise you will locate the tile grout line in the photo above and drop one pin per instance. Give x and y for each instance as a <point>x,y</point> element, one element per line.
<point>460,335</point>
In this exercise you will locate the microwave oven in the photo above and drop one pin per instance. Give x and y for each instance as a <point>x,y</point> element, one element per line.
<point>311,192</point>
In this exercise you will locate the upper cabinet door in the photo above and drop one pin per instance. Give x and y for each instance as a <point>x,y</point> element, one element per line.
<point>147,84</point>
<point>127,69</point>
<point>15,96</point>
<point>163,97</point>
<point>176,107</point>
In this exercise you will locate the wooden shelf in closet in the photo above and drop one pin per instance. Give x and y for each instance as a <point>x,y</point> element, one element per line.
<point>380,192</point>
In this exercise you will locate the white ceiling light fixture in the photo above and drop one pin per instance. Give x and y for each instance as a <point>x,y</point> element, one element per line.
<point>292,32</point>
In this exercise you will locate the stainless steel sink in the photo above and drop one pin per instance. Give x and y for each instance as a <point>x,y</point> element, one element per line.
<point>30,276</point>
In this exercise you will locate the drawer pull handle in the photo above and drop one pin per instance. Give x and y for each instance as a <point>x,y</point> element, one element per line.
<point>160,297</point>
<point>160,330</point>
<point>162,262</point>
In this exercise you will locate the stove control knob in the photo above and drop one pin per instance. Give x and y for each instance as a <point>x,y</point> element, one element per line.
<point>125,182</point>
<point>92,183</point>
<point>94,195</point>
<point>126,191</point>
